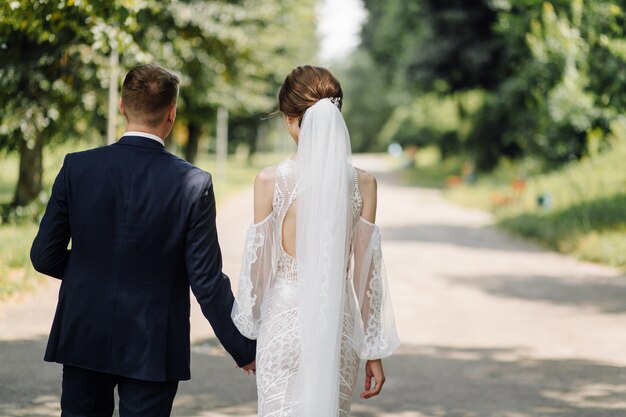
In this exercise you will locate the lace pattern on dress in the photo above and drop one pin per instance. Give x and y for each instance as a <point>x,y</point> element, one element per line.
<point>375,344</point>
<point>267,304</point>
<point>242,313</point>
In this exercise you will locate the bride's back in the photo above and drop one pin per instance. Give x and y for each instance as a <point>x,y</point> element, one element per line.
<point>362,195</point>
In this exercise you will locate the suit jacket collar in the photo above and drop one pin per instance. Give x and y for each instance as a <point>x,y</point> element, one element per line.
<point>140,141</point>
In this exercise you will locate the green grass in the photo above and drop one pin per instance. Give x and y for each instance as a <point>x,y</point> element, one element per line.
<point>16,272</point>
<point>587,215</point>
<point>8,178</point>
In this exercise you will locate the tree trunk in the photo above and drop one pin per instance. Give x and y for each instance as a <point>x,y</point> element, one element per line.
<point>31,170</point>
<point>191,150</point>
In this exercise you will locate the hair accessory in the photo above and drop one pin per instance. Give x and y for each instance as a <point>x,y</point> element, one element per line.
<point>336,101</point>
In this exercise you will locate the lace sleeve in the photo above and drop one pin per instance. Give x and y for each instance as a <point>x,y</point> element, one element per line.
<point>375,329</point>
<point>256,271</point>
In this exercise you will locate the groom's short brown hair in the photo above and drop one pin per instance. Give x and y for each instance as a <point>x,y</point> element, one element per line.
<point>147,93</point>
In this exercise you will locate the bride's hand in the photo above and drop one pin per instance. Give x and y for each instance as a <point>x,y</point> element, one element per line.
<point>373,369</point>
<point>251,367</point>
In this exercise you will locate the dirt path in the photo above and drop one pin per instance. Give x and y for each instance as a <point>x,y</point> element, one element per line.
<point>491,325</point>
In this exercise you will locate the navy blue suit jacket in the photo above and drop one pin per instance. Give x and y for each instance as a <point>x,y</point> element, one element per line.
<point>142,228</point>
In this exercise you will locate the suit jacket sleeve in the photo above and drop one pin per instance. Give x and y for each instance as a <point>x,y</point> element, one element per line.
<point>210,286</point>
<point>49,253</point>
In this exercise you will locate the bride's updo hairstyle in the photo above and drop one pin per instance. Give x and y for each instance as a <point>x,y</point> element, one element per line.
<point>305,86</point>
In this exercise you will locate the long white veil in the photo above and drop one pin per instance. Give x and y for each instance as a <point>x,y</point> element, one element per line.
<point>325,170</point>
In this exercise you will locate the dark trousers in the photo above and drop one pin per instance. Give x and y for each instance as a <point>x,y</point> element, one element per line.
<point>90,394</point>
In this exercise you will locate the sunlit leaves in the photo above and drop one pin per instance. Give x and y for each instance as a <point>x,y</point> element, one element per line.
<point>553,90</point>
<point>232,54</point>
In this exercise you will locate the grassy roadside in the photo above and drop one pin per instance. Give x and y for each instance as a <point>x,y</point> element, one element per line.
<point>16,272</point>
<point>584,203</point>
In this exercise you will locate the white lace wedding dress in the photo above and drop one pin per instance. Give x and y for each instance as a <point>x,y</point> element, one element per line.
<point>267,304</point>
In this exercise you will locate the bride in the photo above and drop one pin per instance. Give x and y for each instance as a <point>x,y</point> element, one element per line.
<point>313,290</point>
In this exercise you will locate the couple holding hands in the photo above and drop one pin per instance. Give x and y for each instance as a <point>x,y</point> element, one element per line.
<point>312,297</point>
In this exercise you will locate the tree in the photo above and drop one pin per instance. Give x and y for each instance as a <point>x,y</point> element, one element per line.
<point>556,104</point>
<point>55,69</point>
<point>367,105</point>
<point>51,52</point>
<point>38,48</point>
<point>230,54</point>
<point>549,72</point>
<point>423,46</point>
<point>435,45</point>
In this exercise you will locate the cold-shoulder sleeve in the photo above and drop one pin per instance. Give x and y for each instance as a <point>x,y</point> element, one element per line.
<point>375,329</point>
<point>256,271</point>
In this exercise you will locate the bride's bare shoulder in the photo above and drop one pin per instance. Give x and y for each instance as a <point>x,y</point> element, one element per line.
<point>263,190</point>
<point>267,174</point>
<point>367,181</point>
<point>265,178</point>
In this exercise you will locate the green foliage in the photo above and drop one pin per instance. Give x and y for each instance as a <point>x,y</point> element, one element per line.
<point>30,213</point>
<point>563,229</point>
<point>432,119</point>
<point>16,272</point>
<point>53,53</point>
<point>421,122</point>
<point>55,62</point>
<point>552,106</point>
<point>550,73</point>
<point>367,105</point>
<point>228,54</point>
<point>231,54</point>
<point>586,216</point>
<point>427,43</point>
<point>459,48</point>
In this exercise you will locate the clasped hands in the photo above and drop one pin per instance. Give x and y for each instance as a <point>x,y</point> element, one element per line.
<point>251,367</point>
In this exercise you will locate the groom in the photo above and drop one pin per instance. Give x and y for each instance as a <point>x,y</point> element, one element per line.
<point>142,228</point>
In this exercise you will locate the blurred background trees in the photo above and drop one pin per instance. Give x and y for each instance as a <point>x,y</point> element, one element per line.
<point>491,79</point>
<point>486,79</point>
<point>54,71</point>
<point>516,105</point>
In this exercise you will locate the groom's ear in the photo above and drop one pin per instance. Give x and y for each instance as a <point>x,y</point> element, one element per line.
<point>171,113</point>
<point>121,106</point>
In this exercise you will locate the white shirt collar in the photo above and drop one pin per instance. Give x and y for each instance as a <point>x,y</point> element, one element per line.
<point>144,135</point>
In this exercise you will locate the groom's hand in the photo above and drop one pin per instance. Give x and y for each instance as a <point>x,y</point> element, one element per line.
<point>251,367</point>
